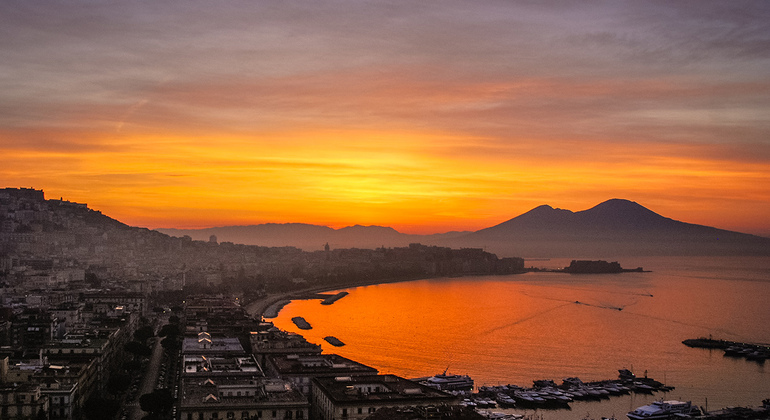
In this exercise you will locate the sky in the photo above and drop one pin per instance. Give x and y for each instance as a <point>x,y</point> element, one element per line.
<point>423,116</point>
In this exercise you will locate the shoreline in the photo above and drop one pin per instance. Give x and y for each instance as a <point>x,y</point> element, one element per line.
<point>272,304</point>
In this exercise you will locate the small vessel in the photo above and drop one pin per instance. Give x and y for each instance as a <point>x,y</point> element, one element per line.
<point>334,341</point>
<point>505,399</point>
<point>660,410</point>
<point>301,323</point>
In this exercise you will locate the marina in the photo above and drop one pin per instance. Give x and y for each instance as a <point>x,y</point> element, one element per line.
<point>547,394</point>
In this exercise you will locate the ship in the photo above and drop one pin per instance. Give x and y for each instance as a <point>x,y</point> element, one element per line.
<point>661,410</point>
<point>448,382</point>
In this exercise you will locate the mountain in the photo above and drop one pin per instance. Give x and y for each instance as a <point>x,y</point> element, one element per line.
<point>310,237</point>
<point>613,228</point>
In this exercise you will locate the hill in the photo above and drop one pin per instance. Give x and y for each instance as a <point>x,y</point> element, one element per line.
<point>613,228</point>
<point>311,237</point>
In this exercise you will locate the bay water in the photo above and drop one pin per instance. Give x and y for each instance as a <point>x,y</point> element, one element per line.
<point>514,329</point>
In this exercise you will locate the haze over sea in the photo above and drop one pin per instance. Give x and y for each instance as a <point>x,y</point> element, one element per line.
<point>519,328</point>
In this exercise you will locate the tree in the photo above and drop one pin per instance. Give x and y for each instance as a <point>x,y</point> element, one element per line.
<point>118,383</point>
<point>142,334</point>
<point>138,349</point>
<point>157,401</point>
<point>169,330</point>
<point>170,343</point>
<point>97,408</point>
<point>132,365</point>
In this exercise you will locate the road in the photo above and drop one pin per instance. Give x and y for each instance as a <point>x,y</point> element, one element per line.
<point>148,382</point>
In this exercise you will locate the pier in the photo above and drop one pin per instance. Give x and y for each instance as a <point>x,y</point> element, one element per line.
<point>331,299</point>
<point>750,351</point>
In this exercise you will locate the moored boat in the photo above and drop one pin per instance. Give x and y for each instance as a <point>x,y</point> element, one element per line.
<point>445,382</point>
<point>661,410</point>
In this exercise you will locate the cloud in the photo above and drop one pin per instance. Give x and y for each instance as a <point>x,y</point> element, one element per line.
<point>387,102</point>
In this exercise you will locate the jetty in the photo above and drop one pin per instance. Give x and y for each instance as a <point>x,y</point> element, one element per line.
<point>331,299</point>
<point>750,351</point>
<point>598,267</point>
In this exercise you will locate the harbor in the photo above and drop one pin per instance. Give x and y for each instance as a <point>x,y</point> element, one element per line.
<point>502,341</point>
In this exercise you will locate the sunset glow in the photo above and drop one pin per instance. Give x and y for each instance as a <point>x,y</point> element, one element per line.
<point>423,117</point>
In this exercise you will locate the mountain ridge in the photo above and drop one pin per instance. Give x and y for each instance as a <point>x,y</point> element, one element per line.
<point>613,227</point>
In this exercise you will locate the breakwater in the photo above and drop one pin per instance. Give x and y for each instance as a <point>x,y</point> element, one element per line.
<point>301,323</point>
<point>749,351</point>
<point>331,299</point>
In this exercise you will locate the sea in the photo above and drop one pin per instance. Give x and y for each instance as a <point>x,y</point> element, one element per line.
<point>515,329</point>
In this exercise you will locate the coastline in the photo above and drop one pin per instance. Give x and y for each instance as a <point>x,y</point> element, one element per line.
<point>273,310</point>
<point>270,306</point>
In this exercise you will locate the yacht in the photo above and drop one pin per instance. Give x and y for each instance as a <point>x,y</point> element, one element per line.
<point>664,410</point>
<point>446,382</point>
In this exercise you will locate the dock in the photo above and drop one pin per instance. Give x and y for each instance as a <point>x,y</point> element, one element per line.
<point>750,351</point>
<point>331,299</point>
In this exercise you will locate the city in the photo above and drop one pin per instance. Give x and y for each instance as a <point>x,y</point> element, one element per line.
<point>101,320</point>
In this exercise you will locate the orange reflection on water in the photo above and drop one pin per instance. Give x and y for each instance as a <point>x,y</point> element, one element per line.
<point>515,329</point>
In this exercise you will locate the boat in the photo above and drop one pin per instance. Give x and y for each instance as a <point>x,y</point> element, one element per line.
<point>626,375</point>
<point>445,382</point>
<point>660,410</point>
<point>301,323</point>
<point>505,399</point>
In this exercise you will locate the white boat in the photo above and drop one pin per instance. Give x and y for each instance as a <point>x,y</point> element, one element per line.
<point>446,382</point>
<point>664,410</point>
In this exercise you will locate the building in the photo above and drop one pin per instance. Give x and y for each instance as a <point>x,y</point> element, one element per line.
<point>205,344</point>
<point>274,342</point>
<point>301,369</point>
<point>357,397</point>
<point>220,382</point>
<point>234,397</point>
<point>23,401</point>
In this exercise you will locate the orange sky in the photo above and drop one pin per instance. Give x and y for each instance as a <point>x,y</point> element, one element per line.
<point>426,120</point>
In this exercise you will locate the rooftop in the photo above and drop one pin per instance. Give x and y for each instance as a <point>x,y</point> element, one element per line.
<point>331,364</point>
<point>202,365</point>
<point>238,391</point>
<point>212,345</point>
<point>378,388</point>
